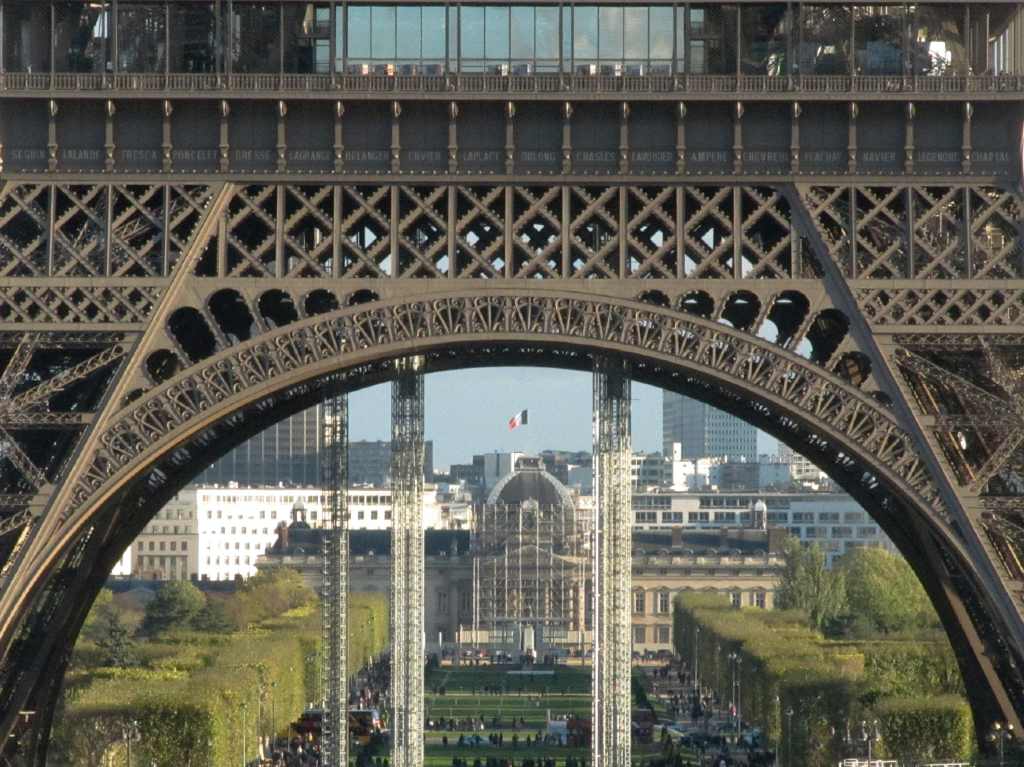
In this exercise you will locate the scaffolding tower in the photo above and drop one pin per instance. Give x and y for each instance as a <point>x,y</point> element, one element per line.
<point>333,653</point>
<point>613,528</point>
<point>407,632</point>
<point>530,567</point>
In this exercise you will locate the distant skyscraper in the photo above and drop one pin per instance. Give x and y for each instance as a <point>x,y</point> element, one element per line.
<point>369,462</point>
<point>704,431</point>
<point>288,452</point>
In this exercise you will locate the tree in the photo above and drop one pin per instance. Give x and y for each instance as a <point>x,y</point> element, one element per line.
<point>115,643</point>
<point>94,626</point>
<point>213,618</point>
<point>807,584</point>
<point>174,606</point>
<point>269,594</point>
<point>883,591</point>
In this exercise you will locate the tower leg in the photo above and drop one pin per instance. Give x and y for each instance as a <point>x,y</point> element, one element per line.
<point>407,637</point>
<point>335,588</point>
<point>613,533</point>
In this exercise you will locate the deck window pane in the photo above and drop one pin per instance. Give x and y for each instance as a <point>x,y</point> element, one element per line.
<point>142,39</point>
<point>824,45</point>
<point>27,37</point>
<point>939,44</point>
<point>308,38</point>
<point>764,29</point>
<point>81,39</point>
<point>547,38</point>
<point>435,31</point>
<point>256,37</point>
<point>879,33</point>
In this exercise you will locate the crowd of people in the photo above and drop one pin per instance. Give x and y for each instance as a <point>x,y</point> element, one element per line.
<point>493,761</point>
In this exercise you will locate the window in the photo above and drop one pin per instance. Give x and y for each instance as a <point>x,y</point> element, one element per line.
<point>81,37</point>
<point>735,598</point>
<point>26,35</point>
<point>639,634</point>
<point>759,599</point>
<point>824,44</point>
<point>256,37</point>
<point>663,601</point>
<point>308,38</point>
<point>879,39</point>
<point>663,634</point>
<point>142,546</point>
<point>184,545</point>
<point>639,600</point>
<point>174,545</point>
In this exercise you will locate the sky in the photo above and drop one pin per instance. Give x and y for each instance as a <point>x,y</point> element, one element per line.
<point>467,413</point>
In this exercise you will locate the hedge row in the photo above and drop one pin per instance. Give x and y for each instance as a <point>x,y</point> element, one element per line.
<point>188,699</point>
<point>786,667</point>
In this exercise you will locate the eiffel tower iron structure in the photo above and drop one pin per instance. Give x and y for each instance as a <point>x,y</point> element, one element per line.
<point>215,214</point>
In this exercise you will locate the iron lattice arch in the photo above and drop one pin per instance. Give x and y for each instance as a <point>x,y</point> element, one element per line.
<point>203,311</point>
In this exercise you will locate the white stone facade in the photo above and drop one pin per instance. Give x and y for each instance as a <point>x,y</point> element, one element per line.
<point>834,521</point>
<point>210,532</point>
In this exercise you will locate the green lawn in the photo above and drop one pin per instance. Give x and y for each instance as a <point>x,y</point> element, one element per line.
<point>525,697</point>
<point>565,680</point>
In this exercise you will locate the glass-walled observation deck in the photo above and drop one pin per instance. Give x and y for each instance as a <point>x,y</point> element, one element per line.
<point>333,38</point>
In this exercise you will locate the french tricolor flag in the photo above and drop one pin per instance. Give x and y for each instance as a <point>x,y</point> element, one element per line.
<point>519,419</point>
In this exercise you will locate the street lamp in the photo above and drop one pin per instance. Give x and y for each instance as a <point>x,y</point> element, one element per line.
<point>789,736</point>
<point>732,663</point>
<point>696,684</point>
<point>777,717</point>
<point>130,731</point>
<point>1001,734</point>
<point>273,715</point>
<point>243,707</point>
<point>869,736</point>
<point>737,661</point>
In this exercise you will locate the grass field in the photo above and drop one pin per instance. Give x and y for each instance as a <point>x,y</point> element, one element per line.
<point>567,691</point>
<point>525,697</point>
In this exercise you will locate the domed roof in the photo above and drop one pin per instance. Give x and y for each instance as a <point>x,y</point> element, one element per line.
<point>530,483</point>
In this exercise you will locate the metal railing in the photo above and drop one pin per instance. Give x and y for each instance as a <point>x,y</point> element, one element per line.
<point>489,83</point>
